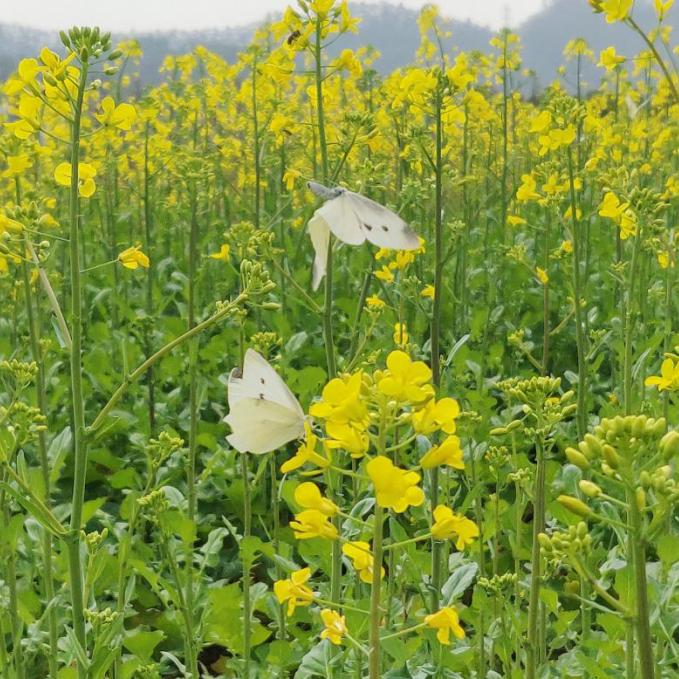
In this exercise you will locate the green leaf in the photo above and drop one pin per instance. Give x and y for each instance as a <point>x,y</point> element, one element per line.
<point>458,582</point>
<point>142,643</point>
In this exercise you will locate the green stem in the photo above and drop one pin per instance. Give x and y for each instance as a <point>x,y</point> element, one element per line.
<point>79,434</point>
<point>580,338</point>
<point>247,530</point>
<point>629,326</point>
<point>436,575</point>
<point>48,577</point>
<point>192,502</point>
<point>15,623</point>
<point>375,671</point>
<point>533,650</point>
<point>642,612</point>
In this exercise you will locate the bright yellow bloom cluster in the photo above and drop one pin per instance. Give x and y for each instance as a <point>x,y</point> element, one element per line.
<point>395,488</point>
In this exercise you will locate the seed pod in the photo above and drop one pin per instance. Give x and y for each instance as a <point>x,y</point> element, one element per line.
<point>572,504</point>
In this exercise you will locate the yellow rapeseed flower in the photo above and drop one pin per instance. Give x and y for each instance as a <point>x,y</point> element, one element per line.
<point>444,622</point>
<point>294,590</point>
<point>395,488</point>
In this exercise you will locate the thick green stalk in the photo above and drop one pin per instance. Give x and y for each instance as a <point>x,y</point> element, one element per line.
<point>247,530</point>
<point>79,434</point>
<point>16,625</point>
<point>580,338</point>
<point>533,651</point>
<point>190,646</point>
<point>148,339</point>
<point>629,326</point>
<point>642,612</point>
<point>436,332</point>
<point>375,671</point>
<point>48,577</point>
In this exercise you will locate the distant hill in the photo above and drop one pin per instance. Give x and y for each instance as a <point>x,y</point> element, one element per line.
<point>391,29</point>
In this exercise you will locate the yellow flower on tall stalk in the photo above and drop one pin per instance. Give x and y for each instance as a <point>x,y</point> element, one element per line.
<point>86,175</point>
<point>616,10</point>
<point>133,258</point>
<point>222,254</point>
<point>341,402</point>
<point>121,116</point>
<point>444,622</point>
<point>362,559</point>
<point>436,415</point>
<point>335,626</point>
<point>313,523</point>
<point>668,380</point>
<point>395,488</point>
<point>448,524</point>
<point>294,590</point>
<point>309,496</point>
<point>306,453</point>
<point>609,59</point>
<point>405,379</point>
<point>448,453</point>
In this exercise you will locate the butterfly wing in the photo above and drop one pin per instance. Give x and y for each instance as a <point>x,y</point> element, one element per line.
<point>259,426</point>
<point>319,232</point>
<point>381,226</point>
<point>260,381</point>
<point>342,220</point>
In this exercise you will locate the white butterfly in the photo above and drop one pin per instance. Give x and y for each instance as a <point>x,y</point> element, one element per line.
<point>263,413</point>
<point>353,219</point>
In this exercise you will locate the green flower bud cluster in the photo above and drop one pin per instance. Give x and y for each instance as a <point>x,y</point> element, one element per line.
<point>154,504</point>
<point>95,540</point>
<point>99,619</point>
<point>265,342</point>
<point>497,457</point>
<point>255,278</point>
<point>158,450</point>
<point>147,672</point>
<point>89,43</point>
<point>574,540</point>
<point>21,372</point>
<point>498,583</point>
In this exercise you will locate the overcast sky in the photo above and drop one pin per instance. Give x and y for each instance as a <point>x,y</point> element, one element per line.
<point>148,15</point>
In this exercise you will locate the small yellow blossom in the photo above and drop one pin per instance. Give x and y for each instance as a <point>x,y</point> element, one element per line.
<point>395,488</point>
<point>309,496</point>
<point>668,380</point>
<point>86,175</point>
<point>448,524</point>
<point>294,590</point>
<point>312,523</point>
<point>444,622</point>
<point>133,258</point>
<point>447,453</point>
<point>406,380</point>
<point>335,626</point>
<point>362,559</point>
<point>222,254</point>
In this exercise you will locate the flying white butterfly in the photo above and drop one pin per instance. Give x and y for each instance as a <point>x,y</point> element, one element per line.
<point>263,413</point>
<point>353,219</point>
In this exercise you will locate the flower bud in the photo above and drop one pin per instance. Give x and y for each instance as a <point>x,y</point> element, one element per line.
<point>590,489</point>
<point>611,456</point>
<point>669,444</point>
<point>577,458</point>
<point>641,499</point>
